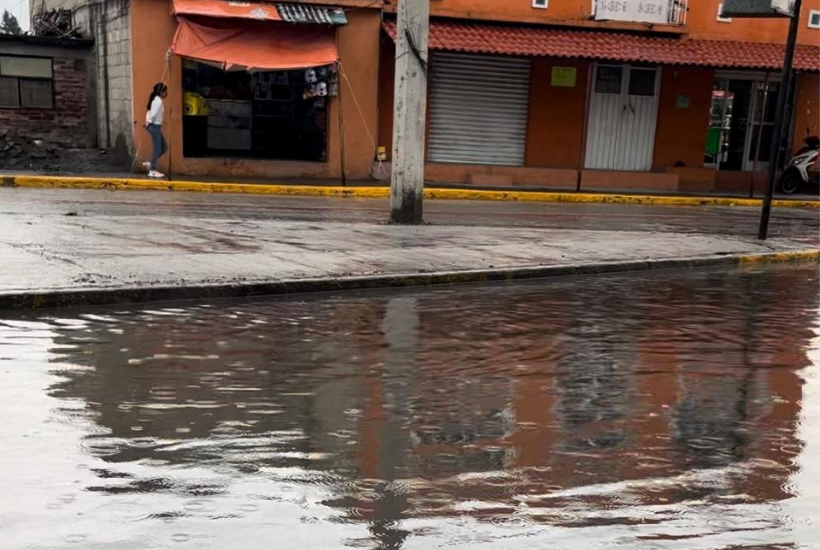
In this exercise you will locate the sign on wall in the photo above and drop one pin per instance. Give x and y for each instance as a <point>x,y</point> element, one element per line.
<point>642,11</point>
<point>564,76</point>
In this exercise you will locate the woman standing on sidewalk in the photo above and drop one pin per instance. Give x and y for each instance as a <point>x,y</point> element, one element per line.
<point>153,123</point>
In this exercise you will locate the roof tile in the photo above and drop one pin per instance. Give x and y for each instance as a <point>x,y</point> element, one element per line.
<point>505,39</point>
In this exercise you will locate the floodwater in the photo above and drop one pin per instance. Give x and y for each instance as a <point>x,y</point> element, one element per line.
<point>674,410</point>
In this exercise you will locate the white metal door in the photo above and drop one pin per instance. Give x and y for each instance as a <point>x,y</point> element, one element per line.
<point>478,109</point>
<point>606,109</point>
<point>623,117</point>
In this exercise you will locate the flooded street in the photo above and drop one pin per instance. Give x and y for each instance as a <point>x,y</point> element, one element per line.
<point>668,410</point>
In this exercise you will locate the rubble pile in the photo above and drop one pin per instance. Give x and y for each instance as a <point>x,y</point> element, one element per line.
<point>57,22</point>
<point>18,152</point>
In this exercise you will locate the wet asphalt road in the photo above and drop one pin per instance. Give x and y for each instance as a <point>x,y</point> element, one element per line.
<point>740,221</point>
<point>676,410</point>
<point>664,411</point>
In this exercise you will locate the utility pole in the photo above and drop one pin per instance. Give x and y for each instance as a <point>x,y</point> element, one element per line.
<point>409,119</point>
<point>779,121</point>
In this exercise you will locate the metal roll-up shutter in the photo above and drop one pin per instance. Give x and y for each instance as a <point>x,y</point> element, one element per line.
<point>478,109</point>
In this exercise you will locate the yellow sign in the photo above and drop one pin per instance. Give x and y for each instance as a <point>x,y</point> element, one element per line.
<point>564,76</point>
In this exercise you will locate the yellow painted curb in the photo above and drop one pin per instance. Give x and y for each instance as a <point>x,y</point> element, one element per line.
<point>655,200</point>
<point>384,192</point>
<point>785,256</point>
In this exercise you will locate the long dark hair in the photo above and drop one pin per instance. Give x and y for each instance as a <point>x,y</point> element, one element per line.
<point>159,89</point>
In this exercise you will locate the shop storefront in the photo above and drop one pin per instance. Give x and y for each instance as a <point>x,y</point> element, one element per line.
<point>255,79</point>
<point>262,89</point>
<point>264,114</point>
<point>742,121</point>
<point>599,110</point>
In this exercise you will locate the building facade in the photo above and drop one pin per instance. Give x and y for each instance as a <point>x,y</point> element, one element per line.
<point>46,91</point>
<point>259,121</point>
<point>664,95</point>
<point>107,25</point>
<point>264,123</point>
<point>599,95</point>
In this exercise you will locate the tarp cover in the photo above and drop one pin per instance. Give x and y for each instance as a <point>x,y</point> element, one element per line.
<point>254,45</point>
<point>220,8</point>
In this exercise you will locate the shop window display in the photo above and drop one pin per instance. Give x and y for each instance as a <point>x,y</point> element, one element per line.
<point>266,114</point>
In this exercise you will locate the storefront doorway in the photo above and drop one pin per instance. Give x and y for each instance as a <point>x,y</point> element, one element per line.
<point>742,122</point>
<point>623,114</point>
<point>263,114</point>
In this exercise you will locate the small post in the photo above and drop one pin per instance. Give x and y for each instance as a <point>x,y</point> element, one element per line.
<point>779,122</point>
<point>409,119</point>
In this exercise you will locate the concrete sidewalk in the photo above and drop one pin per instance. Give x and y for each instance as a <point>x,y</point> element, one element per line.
<point>57,251</point>
<point>372,189</point>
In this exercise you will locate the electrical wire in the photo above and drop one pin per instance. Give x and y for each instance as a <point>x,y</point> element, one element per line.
<point>380,166</point>
<point>358,106</point>
<point>416,52</point>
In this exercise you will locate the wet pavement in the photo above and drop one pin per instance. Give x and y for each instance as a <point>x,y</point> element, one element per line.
<point>75,240</point>
<point>674,410</point>
<point>737,221</point>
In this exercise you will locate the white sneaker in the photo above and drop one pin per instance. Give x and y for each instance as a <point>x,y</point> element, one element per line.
<point>156,174</point>
<point>147,166</point>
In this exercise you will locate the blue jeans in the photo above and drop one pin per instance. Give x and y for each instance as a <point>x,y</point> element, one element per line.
<point>160,147</point>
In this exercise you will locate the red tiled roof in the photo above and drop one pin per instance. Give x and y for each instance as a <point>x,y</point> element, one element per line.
<point>502,39</point>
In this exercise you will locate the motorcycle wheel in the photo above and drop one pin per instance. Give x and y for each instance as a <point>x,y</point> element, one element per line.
<point>790,182</point>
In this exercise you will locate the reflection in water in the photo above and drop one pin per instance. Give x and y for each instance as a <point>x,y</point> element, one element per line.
<point>639,410</point>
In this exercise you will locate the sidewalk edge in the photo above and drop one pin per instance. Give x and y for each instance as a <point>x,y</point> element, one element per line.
<point>75,298</point>
<point>384,192</point>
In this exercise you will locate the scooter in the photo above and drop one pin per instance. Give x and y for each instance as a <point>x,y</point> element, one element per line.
<point>797,172</point>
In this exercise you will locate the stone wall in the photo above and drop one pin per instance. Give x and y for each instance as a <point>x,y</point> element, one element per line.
<point>112,35</point>
<point>70,122</point>
<point>108,24</point>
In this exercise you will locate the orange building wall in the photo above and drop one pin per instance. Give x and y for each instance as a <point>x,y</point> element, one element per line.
<point>702,23</point>
<point>556,124</point>
<point>555,128</point>
<point>807,108</point>
<point>358,44</point>
<point>680,136</point>
<point>561,12</point>
<point>148,66</point>
<point>508,10</point>
<point>701,19</point>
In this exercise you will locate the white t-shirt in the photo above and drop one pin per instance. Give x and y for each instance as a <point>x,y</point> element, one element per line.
<point>156,112</point>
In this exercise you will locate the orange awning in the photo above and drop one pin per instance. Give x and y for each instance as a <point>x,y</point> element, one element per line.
<point>254,45</point>
<point>221,8</point>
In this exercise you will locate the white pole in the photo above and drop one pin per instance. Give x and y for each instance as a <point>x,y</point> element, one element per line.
<point>410,100</point>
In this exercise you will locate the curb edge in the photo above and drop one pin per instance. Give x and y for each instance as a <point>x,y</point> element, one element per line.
<point>77,298</point>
